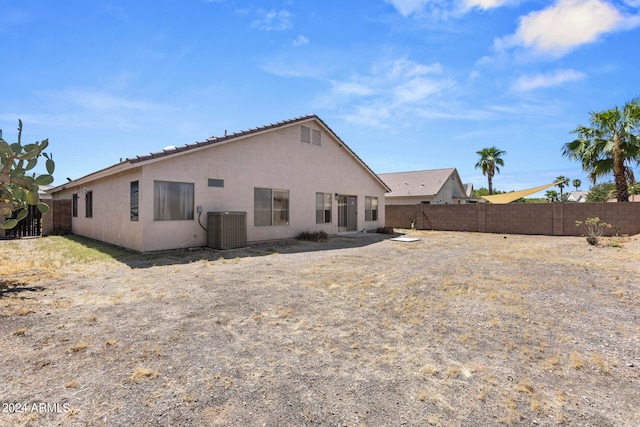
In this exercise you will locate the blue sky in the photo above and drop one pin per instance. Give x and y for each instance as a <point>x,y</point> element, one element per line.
<point>407,84</point>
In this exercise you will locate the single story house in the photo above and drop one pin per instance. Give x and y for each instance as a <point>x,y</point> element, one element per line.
<point>437,186</point>
<point>289,177</point>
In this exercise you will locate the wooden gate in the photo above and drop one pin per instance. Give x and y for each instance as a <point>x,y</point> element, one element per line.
<point>30,226</point>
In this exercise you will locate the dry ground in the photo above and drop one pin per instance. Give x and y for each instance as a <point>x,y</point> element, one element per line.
<point>457,329</point>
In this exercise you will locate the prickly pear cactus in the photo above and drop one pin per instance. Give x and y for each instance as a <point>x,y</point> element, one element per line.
<point>19,187</point>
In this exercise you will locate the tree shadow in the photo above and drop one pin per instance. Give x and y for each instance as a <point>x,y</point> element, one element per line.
<point>184,256</point>
<point>14,287</point>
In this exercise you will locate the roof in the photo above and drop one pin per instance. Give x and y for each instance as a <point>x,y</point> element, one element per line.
<point>214,140</point>
<point>417,183</point>
<point>468,189</point>
<point>577,196</point>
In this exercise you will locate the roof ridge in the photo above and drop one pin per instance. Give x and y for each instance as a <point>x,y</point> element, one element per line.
<point>171,150</point>
<point>216,139</point>
<point>415,171</point>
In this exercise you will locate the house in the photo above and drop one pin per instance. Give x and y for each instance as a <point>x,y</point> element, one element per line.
<point>468,190</point>
<point>577,196</point>
<point>288,177</point>
<point>438,186</point>
<point>632,198</point>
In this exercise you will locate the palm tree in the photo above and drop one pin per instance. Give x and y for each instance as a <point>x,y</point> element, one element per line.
<point>551,195</point>
<point>609,145</point>
<point>562,181</point>
<point>576,183</point>
<point>490,159</point>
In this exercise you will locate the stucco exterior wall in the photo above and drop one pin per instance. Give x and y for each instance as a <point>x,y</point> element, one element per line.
<point>111,219</point>
<point>276,159</point>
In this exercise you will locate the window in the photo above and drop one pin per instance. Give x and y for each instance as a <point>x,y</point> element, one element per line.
<point>74,205</point>
<point>172,201</point>
<point>323,208</point>
<point>88,207</point>
<point>271,207</point>
<point>216,183</point>
<point>134,200</point>
<point>370,208</point>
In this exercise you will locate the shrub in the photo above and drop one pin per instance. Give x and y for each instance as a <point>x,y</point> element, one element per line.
<point>313,236</point>
<point>593,229</point>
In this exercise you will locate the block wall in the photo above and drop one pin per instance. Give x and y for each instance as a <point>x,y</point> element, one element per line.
<point>553,219</point>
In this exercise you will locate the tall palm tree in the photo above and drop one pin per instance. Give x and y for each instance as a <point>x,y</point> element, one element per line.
<point>609,145</point>
<point>490,159</point>
<point>576,183</point>
<point>562,181</point>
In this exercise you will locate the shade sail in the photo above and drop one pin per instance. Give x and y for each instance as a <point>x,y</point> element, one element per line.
<point>505,198</point>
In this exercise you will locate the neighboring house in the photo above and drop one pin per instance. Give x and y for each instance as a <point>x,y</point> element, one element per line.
<point>289,177</point>
<point>438,186</point>
<point>577,196</point>
<point>468,190</point>
<point>632,198</point>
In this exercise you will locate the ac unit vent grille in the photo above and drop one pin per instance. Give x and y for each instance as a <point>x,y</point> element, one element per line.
<point>227,230</point>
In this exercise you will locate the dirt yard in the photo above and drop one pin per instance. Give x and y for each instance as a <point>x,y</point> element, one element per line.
<point>456,329</point>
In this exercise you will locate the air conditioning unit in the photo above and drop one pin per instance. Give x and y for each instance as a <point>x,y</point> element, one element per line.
<point>227,230</point>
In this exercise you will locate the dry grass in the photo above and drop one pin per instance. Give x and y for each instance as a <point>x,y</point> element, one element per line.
<point>144,373</point>
<point>456,329</point>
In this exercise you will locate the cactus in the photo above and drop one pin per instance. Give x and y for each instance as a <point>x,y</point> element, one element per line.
<point>18,188</point>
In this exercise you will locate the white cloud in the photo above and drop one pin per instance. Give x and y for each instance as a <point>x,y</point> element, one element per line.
<point>403,68</point>
<point>416,90</point>
<point>564,26</point>
<point>393,91</point>
<point>99,109</point>
<point>443,9</point>
<point>299,68</point>
<point>407,7</point>
<point>484,4</point>
<point>300,41</point>
<point>272,20</point>
<point>351,89</point>
<point>557,78</point>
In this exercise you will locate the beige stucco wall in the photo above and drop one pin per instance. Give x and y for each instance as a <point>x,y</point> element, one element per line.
<point>111,220</point>
<point>275,159</point>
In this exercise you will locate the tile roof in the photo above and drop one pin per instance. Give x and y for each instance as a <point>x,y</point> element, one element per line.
<point>217,139</point>
<point>416,183</point>
<point>169,151</point>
